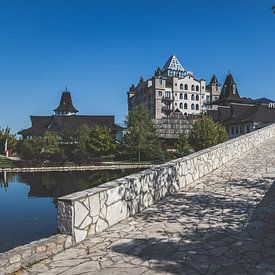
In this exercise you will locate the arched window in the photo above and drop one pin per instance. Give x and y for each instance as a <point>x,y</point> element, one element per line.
<point>180,105</point>
<point>185,106</point>
<point>197,97</point>
<point>192,97</point>
<point>193,106</point>
<point>181,96</point>
<point>197,107</point>
<point>185,114</point>
<point>181,86</point>
<point>185,96</point>
<point>193,88</point>
<point>185,87</point>
<point>197,88</point>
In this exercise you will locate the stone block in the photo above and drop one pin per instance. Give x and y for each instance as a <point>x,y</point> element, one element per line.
<point>80,235</point>
<point>15,258</point>
<point>41,249</point>
<point>101,225</point>
<point>80,213</point>
<point>94,202</point>
<point>116,212</point>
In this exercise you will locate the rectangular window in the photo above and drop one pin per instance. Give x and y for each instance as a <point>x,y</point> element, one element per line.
<point>168,95</point>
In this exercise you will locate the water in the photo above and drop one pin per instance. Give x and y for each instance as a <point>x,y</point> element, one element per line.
<point>28,201</point>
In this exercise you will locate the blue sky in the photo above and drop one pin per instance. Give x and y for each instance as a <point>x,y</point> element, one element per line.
<point>99,48</point>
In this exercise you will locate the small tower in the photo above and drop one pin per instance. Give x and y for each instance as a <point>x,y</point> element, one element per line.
<point>214,89</point>
<point>65,107</point>
<point>229,93</point>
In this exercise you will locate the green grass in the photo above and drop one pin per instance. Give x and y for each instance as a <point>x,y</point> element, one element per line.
<point>6,163</point>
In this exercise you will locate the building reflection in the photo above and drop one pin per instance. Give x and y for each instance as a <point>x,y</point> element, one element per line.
<point>57,184</point>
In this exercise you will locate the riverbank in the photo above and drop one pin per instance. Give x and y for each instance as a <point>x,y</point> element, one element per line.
<point>77,168</point>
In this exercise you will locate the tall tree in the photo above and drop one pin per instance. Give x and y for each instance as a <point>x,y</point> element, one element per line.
<point>182,146</point>
<point>101,141</point>
<point>206,133</point>
<point>141,139</point>
<point>51,142</point>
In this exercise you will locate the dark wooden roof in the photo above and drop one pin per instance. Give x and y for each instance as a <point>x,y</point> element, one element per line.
<point>66,103</point>
<point>59,124</point>
<point>229,93</point>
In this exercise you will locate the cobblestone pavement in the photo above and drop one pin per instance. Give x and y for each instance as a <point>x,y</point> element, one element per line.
<point>224,225</point>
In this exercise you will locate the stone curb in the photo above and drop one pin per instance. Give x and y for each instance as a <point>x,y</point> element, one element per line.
<point>75,168</point>
<point>26,255</point>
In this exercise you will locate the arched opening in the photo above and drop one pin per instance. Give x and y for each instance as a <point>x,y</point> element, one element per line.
<point>197,107</point>
<point>180,105</point>
<point>197,88</point>
<point>192,97</point>
<point>193,88</point>
<point>192,107</point>
<point>181,96</point>
<point>197,97</point>
<point>185,106</point>
<point>181,86</point>
<point>185,87</point>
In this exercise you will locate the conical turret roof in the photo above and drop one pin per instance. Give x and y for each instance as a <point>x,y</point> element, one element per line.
<point>229,89</point>
<point>214,80</point>
<point>66,104</point>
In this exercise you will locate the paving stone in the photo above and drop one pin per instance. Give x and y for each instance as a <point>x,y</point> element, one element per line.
<point>223,224</point>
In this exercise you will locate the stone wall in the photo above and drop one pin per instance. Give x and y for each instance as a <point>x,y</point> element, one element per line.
<point>75,168</point>
<point>91,211</point>
<point>24,256</point>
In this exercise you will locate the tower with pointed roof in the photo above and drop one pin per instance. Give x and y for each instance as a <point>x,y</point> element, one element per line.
<point>213,91</point>
<point>65,107</point>
<point>170,88</point>
<point>229,93</point>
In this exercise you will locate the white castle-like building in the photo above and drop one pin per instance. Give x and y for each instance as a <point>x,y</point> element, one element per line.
<point>173,88</point>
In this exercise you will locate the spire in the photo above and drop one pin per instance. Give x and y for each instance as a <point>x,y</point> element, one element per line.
<point>173,67</point>
<point>214,80</point>
<point>158,71</point>
<point>229,89</point>
<point>66,105</point>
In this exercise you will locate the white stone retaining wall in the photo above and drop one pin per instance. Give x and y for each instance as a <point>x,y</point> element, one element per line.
<point>91,211</point>
<point>24,256</point>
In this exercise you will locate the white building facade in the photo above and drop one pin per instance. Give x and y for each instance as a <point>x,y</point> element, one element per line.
<point>171,88</point>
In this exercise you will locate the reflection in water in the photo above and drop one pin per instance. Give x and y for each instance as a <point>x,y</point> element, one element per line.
<point>28,201</point>
<point>57,184</point>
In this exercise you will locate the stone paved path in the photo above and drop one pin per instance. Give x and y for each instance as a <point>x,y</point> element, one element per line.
<point>226,225</point>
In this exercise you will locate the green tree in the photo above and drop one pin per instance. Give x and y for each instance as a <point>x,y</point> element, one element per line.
<point>93,142</point>
<point>30,149</point>
<point>51,143</point>
<point>221,133</point>
<point>5,134</point>
<point>101,141</point>
<point>206,133</point>
<point>182,146</point>
<point>141,139</point>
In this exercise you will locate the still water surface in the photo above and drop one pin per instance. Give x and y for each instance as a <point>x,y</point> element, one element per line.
<point>28,201</point>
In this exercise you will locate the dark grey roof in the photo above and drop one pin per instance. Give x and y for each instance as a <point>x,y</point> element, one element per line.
<point>66,103</point>
<point>243,113</point>
<point>229,93</point>
<point>214,80</point>
<point>58,124</point>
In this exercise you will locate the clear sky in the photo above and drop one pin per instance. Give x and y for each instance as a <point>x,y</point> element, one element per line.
<point>99,48</point>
